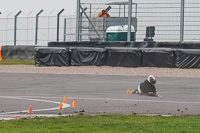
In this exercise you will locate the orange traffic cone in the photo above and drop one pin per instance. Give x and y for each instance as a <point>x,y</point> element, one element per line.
<point>0,54</point>
<point>65,100</point>
<point>129,92</point>
<point>30,110</point>
<point>60,107</point>
<point>74,103</point>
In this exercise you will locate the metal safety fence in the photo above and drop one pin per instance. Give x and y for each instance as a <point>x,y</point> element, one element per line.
<point>31,30</point>
<point>174,20</point>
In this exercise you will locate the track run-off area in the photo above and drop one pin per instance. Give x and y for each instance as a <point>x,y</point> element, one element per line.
<point>94,94</point>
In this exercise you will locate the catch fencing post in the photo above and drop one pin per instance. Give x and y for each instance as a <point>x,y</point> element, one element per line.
<point>64,35</point>
<point>36,27</point>
<point>15,28</point>
<point>182,20</point>
<point>58,23</point>
<point>129,20</point>
<point>77,19</point>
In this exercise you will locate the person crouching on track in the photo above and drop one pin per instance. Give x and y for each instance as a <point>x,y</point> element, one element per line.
<point>147,87</point>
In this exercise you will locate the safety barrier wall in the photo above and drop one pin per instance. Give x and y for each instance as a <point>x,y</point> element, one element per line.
<point>158,57</point>
<point>174,45</point>
<point>82,56</point>
<point>187,58</point>
<point>124,57</point>
<point>51,56</point>
<point>17,52</point>
<point>108,56</point>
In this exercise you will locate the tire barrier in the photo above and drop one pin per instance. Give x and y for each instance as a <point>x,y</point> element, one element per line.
<point>126,57</point>
<point>158,57</point>
<point>18,52</point>
<point>102,44</point>
<point>187,58</point>
<point>45,56</point>
<point>174,45</point>
<point>83,56</point>
<point>108,56</point>
<point>123,57</point>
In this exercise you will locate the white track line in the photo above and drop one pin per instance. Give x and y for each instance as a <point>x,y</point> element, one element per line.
<point>128,100</point>
<point>38,100</point>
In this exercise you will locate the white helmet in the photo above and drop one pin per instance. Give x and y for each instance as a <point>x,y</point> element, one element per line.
<point>152,79</point>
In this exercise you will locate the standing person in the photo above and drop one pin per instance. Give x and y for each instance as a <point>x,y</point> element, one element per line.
<point>147,87</point>
<point>103,13</point>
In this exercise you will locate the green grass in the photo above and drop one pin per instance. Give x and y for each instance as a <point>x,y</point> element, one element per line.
<point>104,124</point>
<point>16,62</point>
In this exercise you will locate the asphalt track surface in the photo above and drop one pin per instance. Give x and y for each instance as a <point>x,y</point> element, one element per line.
<point>95,95</point>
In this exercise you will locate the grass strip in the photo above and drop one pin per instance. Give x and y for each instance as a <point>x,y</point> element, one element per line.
<point>103,124</point>
<point>17,62</point>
